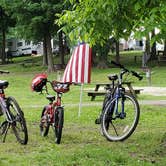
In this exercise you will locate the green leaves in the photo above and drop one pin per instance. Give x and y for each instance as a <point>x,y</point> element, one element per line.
<point>36,15</point>
<point>97,20</point>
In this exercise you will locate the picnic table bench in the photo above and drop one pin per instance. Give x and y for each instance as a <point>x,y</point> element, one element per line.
<point>98,92</point>
<point>28,63</point>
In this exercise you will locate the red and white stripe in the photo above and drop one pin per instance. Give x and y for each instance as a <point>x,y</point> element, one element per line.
<point>78,69</point>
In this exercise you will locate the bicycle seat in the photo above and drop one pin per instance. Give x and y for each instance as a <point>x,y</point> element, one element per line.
<point>50,97</point>
<point>113,77</point>
<point>3,84</point>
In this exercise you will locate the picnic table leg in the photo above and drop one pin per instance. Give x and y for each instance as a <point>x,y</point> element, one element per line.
<point>96,89</point>
<point>93,97</point>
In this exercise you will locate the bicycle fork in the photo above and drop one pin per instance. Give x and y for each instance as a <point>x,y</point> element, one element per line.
<point>119,95</point>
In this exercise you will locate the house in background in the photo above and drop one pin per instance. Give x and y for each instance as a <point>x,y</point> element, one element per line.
<point>19,47</point>
<point>132,44</point>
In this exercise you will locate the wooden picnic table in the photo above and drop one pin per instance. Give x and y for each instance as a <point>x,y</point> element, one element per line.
<point>97,92</point>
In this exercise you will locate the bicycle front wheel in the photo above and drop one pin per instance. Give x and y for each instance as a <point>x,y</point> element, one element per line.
<point>19,124</point>
<point>44,123</point>
<point>58,124</point>
<point>120,118</point>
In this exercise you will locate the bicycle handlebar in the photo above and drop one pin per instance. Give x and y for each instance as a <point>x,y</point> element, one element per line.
<point>133,72</point>
<point>118,64</point>
<point>6,72</point>
<point>136,75</point>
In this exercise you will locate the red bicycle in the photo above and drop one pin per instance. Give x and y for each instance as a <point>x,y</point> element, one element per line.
<point>53,113</point>
<point>13,116</point>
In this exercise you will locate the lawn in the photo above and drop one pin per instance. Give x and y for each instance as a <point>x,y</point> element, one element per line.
<point>82,144</point>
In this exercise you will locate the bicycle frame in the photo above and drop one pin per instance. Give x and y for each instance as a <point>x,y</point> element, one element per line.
<point>117,92</point>
<point>51,108</point>
<point>3,105</point>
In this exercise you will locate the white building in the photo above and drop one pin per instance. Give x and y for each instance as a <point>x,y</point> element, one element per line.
<point>20,47</point>
<point>132,44</point>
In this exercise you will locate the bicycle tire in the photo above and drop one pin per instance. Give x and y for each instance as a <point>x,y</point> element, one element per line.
<point>105,102</point>
<point>116,128</point>
<point>44,124</point>
<point>19,124</point>
<point>3,127</point>
<point>58,124</point>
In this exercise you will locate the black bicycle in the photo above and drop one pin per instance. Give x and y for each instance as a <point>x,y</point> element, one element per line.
<point>13,116</point>
<point>121,111</point>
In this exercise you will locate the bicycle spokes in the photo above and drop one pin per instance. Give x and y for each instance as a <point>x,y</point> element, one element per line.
<point>4,129</point>
<point>120,122</point>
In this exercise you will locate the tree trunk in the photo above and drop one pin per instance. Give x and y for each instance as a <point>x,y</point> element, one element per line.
<point>45,60</point>
<point>61,48</point>
<point>94,57</point>
<point>117,52</point>
<point>165,47</point>
<point>49,53</point>
<point>147,45</point>
<point>153,52</point>
<point>0,52</point>
<point>153,48</point>
<point>102,59</point>
<point>3,46</point>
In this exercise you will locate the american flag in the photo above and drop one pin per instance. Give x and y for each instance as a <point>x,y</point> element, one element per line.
<point>78,69</point>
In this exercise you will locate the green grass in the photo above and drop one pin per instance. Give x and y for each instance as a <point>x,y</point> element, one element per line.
<point>82,143</point>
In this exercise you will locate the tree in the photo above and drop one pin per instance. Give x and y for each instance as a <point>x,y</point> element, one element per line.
<point>35,22</point>
<point>5,22</point>
<point>151,16</point>
<point>2,44</point>
<point>96,20</point>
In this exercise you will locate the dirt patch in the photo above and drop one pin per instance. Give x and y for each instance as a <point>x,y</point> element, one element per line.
<point>155,91</point>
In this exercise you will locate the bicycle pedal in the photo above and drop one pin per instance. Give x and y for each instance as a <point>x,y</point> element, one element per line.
<point>97,121</point>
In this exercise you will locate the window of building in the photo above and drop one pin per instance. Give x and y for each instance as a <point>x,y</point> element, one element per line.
<point>27,43</point>
<point>19,44</point>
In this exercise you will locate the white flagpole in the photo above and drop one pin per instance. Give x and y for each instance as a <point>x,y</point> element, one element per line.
<point>80,104</point>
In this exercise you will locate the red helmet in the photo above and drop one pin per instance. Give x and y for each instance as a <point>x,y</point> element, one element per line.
<point>38,82</point>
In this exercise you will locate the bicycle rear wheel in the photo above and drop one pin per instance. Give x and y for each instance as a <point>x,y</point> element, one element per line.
<point>105,103</point>
<point>117,126</point>
<point>58,124</point>
<point>19,124</point>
